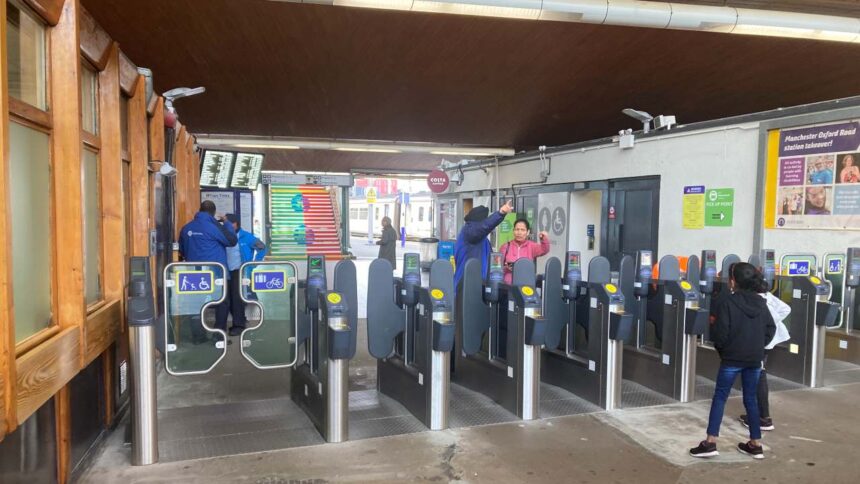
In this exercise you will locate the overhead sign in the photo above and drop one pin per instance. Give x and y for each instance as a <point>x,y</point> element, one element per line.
<point>719,207</point>
<point>437,181</point>
<point>246,172</point>
<point>216,168</point>
<point>294,179</point>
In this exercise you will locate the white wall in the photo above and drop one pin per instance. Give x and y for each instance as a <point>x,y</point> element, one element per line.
<point>724,157</point>
<point>585,209</point>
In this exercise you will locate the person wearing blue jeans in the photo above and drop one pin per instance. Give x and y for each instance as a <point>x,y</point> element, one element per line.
<point>741,327</point>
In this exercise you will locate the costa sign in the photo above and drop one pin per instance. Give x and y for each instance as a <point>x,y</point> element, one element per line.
<point>438,181</point>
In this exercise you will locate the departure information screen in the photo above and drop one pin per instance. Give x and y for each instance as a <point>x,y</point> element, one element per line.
<point>215,169</point>
<point>246,172</point>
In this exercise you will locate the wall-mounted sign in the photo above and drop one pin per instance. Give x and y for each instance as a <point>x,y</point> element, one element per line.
<point>694,207</point>
<point>719,207</point>
<point>437,181</point>
<point>294,179</point>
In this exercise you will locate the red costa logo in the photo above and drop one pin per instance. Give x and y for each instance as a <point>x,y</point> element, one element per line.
<point>437,181</point>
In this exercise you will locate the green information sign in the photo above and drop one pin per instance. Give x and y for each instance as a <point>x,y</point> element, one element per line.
<point>505,231</point>
<point>719,207</point>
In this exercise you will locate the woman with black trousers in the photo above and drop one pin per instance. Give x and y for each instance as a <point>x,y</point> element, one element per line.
<point>741,327</point>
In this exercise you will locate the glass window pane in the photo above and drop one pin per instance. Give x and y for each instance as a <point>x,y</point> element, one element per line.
<point>25,41</point>
<point>92,227</point>
<point>30,177</point>
<point>89,100</point>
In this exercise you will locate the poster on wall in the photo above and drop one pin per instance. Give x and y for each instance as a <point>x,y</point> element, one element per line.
<point>245,211</point>
<point>224,201</point>
<point>818,177</point>
<point>447,219</point>
<point>552,218</point>
<point>694,207</point>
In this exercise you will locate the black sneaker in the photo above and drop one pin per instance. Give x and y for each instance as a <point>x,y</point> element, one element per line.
<point>766,423</point>
<point>755,451</point>
<point>705,449</point>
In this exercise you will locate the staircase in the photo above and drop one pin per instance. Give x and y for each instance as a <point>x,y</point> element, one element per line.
<point>303,223</point>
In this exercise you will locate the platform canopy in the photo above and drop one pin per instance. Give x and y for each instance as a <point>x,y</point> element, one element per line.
<point>283,69</point>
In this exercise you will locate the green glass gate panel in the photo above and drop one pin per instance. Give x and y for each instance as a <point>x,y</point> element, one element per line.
<point>833,266</point>
<point>191,291</point>
<point>804,265</point>
<point>273,288</point>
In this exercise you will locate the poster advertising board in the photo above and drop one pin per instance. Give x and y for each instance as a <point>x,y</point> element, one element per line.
<point>817,174</point>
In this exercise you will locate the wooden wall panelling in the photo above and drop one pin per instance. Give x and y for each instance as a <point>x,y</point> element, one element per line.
<point>63,411</point>
<point>66,164</point>
<point>156,156</point>
<point>46,369</point>
<point>179,164</point>
<point>7,327</point>
<point>139,177</point>
<point>102,330</point>
<point>111,177</point>
<point>192,201</point>
<point>127,75</point>
<point>49,10</point>
<point>95,42</point>
<point>195,181</point>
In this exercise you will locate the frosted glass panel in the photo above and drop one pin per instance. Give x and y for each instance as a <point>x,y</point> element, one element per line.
<point>92,227</point>
<point>30,176</point>
<point>25,40</point>
<point>89,100</point>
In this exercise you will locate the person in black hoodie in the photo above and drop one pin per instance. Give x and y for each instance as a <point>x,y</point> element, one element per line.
<point>741,326</point>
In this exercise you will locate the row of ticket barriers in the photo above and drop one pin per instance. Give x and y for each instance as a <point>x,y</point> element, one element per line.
<point>581,332</point>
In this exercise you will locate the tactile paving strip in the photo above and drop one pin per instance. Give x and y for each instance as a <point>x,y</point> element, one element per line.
<point>634,395</point>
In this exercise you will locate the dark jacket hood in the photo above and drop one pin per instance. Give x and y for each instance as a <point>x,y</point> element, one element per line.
<point>748,302</point>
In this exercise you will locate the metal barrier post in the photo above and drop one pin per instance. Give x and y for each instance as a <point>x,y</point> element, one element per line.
<point>141,336</point>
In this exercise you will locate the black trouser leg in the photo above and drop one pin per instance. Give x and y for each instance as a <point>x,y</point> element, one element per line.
<point>763,404</point>
<point>221,312</point>
<point>237,306</point>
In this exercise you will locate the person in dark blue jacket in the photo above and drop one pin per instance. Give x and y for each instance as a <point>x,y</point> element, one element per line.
<point>472,240</point>
<point>205,239</point>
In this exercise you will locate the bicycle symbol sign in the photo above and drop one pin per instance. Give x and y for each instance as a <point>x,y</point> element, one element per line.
<point>195,282</point>
<point>798,268</point>
<point>268,281</point>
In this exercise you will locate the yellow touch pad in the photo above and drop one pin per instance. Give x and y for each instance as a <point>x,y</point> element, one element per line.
<point>686,285</point>
<point>333,298</point>
<point>528,291</point>
<point>815,280</point>
<point>437,294</point>
<point>611,289</point>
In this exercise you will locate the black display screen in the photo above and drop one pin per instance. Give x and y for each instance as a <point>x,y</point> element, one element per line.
<point>216,168</point>
<point>710,257</point>
<point>496,261</point>
<point>315,264</point>
<point>246,171</point>
<point>769,257</point>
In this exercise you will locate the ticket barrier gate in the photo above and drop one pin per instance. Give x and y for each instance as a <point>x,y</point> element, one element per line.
<point>512,381</point>
<point>587,363</point>
<point>327,322</point>
<point>843,341</point>
<point>710,282</point>
<point>410,331</point>
<point>665,361</point>
<point>140,316</point>
<point>801,359</point>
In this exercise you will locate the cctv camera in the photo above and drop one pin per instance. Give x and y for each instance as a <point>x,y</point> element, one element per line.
<point>167,169</point>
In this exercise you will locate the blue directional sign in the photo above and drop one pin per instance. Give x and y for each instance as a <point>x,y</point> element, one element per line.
<point>798,268</point>
<point>834,265</point>
<point>268,280</point>
<point>195,282</point>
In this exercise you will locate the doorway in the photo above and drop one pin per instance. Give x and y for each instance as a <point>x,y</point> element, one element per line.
<point>632,218</point>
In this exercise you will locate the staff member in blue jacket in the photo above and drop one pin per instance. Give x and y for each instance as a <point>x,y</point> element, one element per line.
<point>205,239</point>
<point>249,249</point>
<point>472,240</point>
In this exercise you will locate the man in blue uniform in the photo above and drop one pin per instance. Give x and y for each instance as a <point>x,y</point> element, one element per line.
<point>472,240</point>
<point>249,249</point>
<point>205,239</point>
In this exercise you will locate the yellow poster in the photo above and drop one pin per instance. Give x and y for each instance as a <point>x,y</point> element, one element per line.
<point>694,207</point>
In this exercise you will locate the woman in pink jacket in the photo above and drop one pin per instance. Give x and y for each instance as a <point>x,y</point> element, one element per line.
<point>522,247</point>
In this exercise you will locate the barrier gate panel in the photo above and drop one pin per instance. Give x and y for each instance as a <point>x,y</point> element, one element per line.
<point>192,345</point>
<point>833,270</point>
<point>272,287</point>
<point>794,265</point>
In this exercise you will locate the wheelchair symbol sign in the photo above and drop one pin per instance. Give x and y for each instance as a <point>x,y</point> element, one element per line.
<point>268,281</point>
<point>195,282</point>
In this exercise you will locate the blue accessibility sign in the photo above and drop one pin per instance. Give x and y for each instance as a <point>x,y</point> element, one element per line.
<point>195,282</point>
<point>268,280</point>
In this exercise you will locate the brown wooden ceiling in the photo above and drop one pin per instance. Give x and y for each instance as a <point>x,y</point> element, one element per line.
<point>286,69</point>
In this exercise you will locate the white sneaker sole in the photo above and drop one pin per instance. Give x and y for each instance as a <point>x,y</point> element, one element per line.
<point>706,454</point>
<point>754,456</point>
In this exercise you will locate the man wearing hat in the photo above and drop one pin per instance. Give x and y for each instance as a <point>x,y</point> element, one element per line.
<point>472,240</point>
